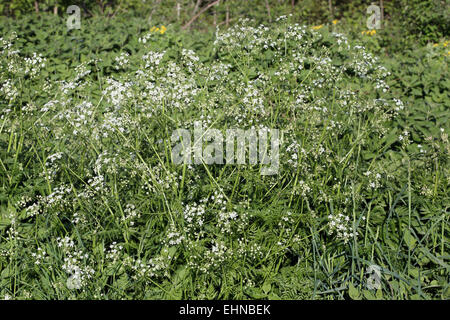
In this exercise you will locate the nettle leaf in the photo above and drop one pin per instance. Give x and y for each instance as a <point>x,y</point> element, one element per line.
<point>255,293</point>
<point>409,239</point>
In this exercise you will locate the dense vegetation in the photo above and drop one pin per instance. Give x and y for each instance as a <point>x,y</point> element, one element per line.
<point>92,205</point>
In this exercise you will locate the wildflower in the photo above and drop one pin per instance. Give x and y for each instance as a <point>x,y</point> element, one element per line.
<point>39,256</point>
<point>335,21</point>
<point>340,226</point>
<point>130,214</point>
<point>161,30</point>
<point>317,27</point>
<point>369,32</point>
<point>121,61</point>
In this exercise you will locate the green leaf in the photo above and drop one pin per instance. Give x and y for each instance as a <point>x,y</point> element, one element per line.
<point>409,239</point>
<point>379,294</point>
<point>255,293</point>
<point>369,295</point>
<point>266,287</point>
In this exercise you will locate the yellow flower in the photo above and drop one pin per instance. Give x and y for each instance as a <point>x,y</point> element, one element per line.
<point>373,32</point>
<point>160,30</point>
<point>445,43</point>
<point>436,44</point>
<point>317,27</point>
<point>335,21</point>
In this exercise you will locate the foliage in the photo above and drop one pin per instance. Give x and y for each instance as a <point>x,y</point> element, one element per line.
<point>407,22</point>
<point>93,207</point>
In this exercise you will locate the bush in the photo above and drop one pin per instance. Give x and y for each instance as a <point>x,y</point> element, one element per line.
<point>95,207</point>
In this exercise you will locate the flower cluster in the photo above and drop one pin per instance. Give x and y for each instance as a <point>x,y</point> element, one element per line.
<point>75,264</point>
<point>161,30</point>
<point>369,32</point>
<point>341,226</point>
<point>130,214</point>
